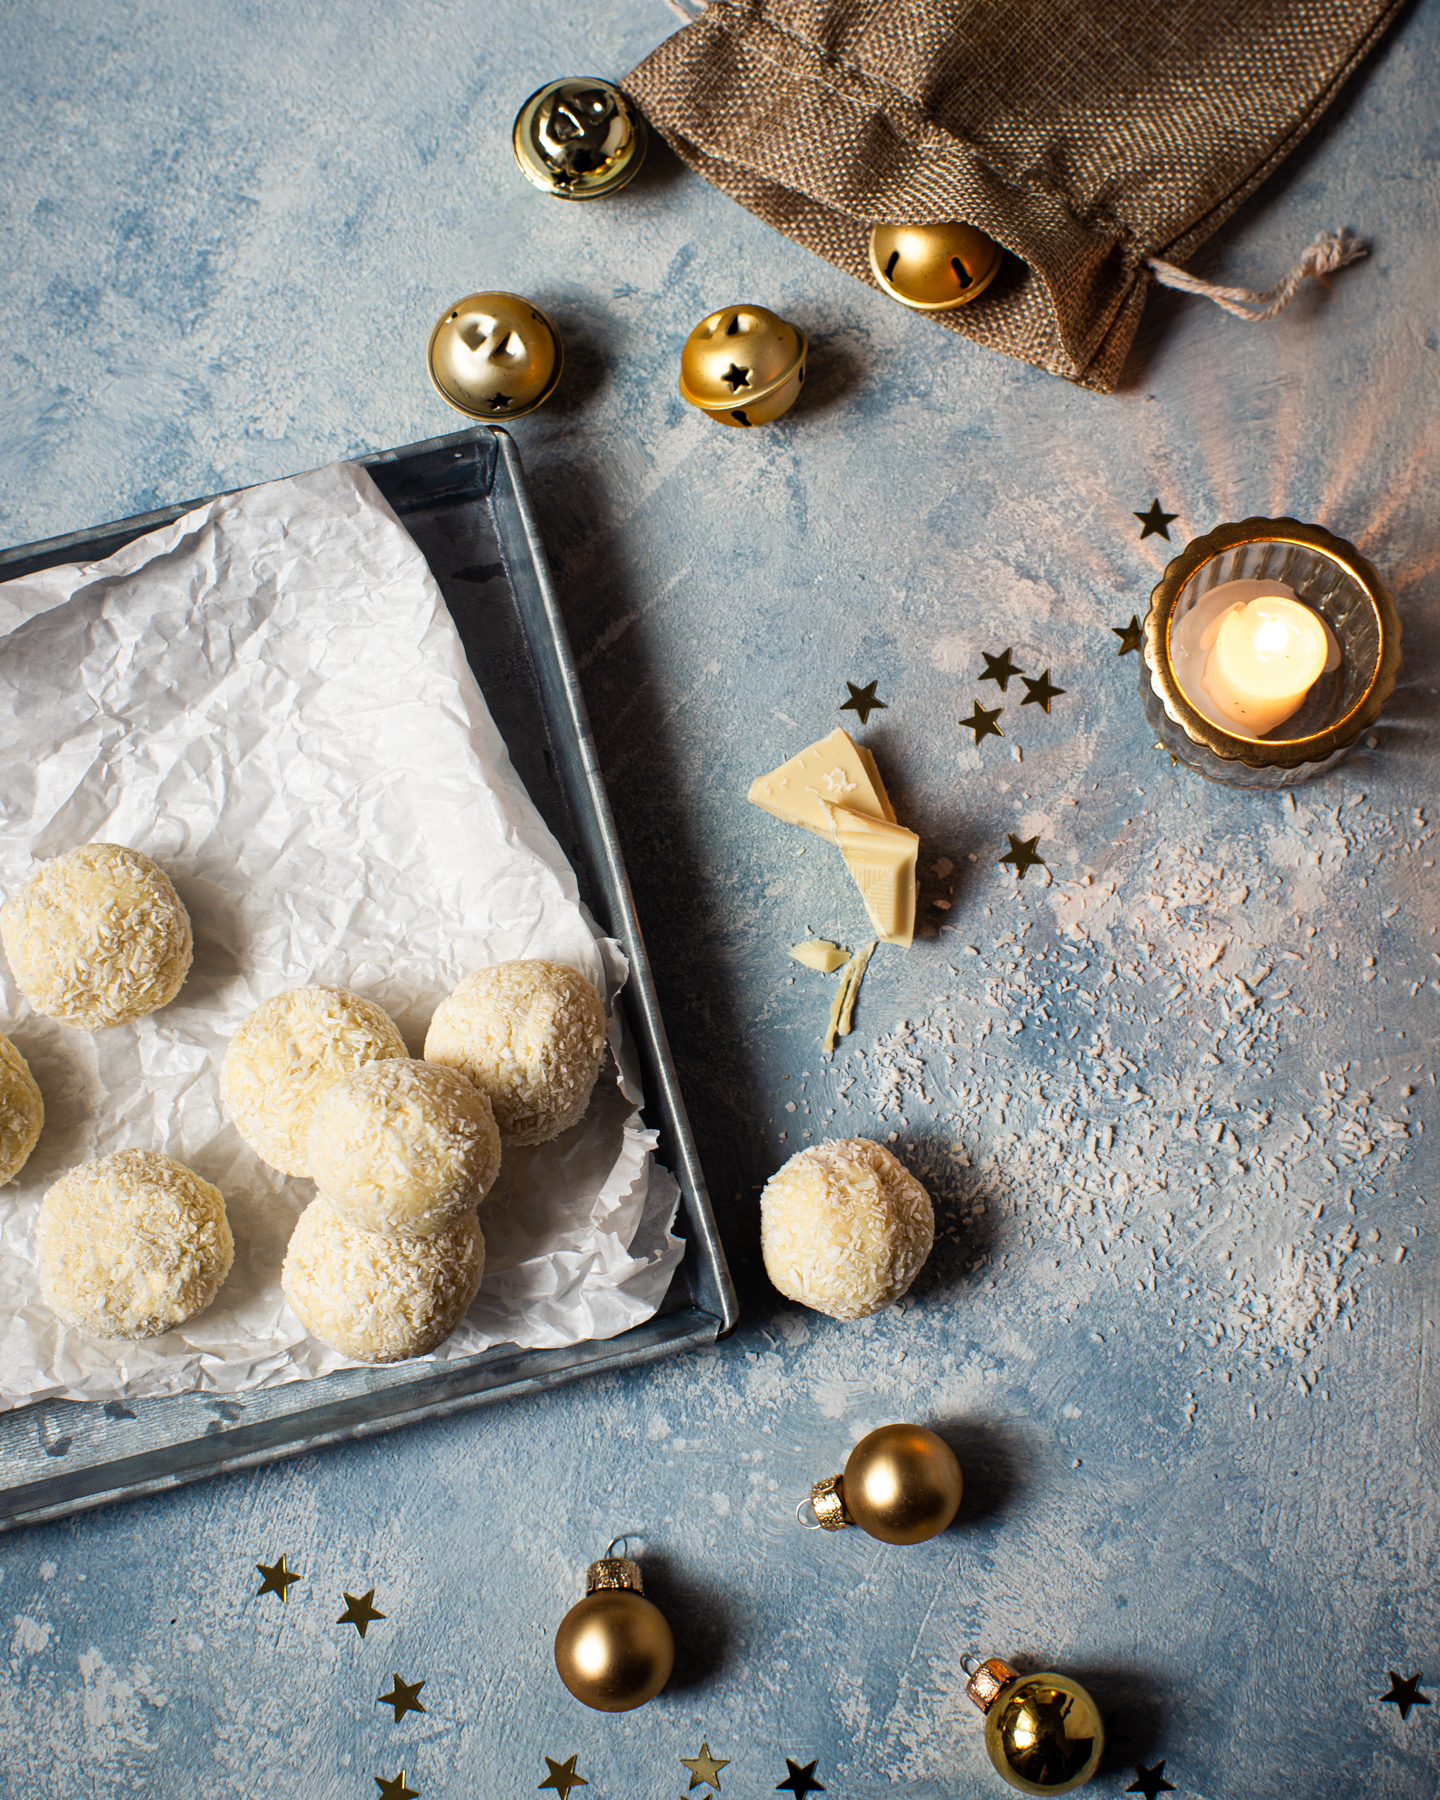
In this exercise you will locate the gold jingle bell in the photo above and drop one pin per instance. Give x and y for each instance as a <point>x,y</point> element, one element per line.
<point>578,138</point>
<point>614,1649</point>
<point>744,365</point>
<point>934,268</point>
<point>494,357</point>
<point>901,1484</point>
<point>1043,1732</point>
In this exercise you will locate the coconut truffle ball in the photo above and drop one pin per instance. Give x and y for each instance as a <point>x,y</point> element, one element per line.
<point>532,1034</point>
<point>404,1148</point>
<point>132,1244</point>
<point>288,1054</point>
<point>380,1299</point>
<point>845,1228</point>
<point>97,937</point>
<point>22,1111</point>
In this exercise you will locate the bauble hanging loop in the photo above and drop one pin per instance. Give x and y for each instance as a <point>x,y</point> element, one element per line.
<point>744,365</point>
<point>1043,1733</point>
<point>614,1649</point>
<point>934,268</point>
<point>494,356</point>
<point>902,1484</point>
<point>579,138</point>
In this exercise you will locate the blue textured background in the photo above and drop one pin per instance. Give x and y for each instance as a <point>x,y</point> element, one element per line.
<point>1172,1099</point>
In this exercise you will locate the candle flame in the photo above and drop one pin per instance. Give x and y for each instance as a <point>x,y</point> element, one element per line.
<point>1272,638</point>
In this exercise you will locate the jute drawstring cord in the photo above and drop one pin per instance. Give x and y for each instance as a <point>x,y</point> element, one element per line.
<point>1330,251</point>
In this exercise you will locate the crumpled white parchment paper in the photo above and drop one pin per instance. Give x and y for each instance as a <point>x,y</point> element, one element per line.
<point>270,699</point>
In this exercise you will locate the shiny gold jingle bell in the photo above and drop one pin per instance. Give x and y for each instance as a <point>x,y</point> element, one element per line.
<point>579,138</point>
<point>494,357</point>
<point>744,365</point>
<point>1043,1733</point>
<point>901,1484</point>
<point>614,1649</point>
<point>934,268</point>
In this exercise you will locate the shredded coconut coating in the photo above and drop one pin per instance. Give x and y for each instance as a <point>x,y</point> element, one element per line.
<point>380,1299</point>
<point>404,1149</point>
<point>97,937</point>
<point>532,1034</point>
<point>22,1111</point>
<point>132,1245</point>
<point>288,1054</point>
<point>845,1228</point>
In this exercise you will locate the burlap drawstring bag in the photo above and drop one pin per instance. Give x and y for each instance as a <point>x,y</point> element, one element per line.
<point>1089,137</point>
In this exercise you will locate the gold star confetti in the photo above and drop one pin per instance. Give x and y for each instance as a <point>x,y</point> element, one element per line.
<point>1150,1782</point>
<point>800,1781</point>
<point>1131,636</point>
<point>359,1613</point>
<point>704,1768</point>
<point>999,669</point>
<point>1023,854</point>
<point>1156,521</point>
<point>278,1579</point>
<point>982,722</point>
<point>404,1697</point>
<point>562,1776</point>
<point>1041,692</point>
<point>396,1789</point>
<point>1404,1693</point>
<point>862,700</point>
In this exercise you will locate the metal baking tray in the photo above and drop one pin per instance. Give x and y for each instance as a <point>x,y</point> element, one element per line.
<point>463,500</point>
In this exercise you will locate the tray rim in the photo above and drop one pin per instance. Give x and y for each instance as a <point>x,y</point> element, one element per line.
<point>689,1326</point>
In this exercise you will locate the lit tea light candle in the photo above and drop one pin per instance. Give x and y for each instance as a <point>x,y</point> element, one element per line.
<point>1248,654</point>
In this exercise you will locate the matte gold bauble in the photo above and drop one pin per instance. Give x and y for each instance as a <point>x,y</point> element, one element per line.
<point>494,356</point>
<point>744,365</point>
<point>1043,1733</point>
<point>934,268</point>
<point>901,1484</point>
<point>578,139</point>
<point>614,1648</point>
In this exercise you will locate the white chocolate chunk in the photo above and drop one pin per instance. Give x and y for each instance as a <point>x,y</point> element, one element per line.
<point>881,857</point>
<point>829,772</point>
<point>818,954</point>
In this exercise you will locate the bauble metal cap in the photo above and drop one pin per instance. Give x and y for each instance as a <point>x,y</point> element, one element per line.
<point>934,268</point>
<point>744,365</point>
<point>579,138</point>
<point>494,356</point>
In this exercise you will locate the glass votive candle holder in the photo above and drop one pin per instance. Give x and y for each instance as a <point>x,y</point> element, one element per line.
<point>1324,573</point>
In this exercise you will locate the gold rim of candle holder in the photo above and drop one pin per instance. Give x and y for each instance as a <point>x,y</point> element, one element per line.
<point>1270,752</point>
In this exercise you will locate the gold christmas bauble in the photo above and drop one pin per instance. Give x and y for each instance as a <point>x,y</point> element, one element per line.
<point>614,1649</point>
<point>934,268</point>
<point>744,365</point>
<point>579,138</point>
<point>494,356</point>
<point>901,1484</point>
<point>1044,1734</point>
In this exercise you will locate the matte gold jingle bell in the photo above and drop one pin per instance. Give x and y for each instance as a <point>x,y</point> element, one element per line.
<point>614,1649</point>
<point>902,1485</point>
<point>578,138</point>
<point>744,365</point>
<point>494,357</point>
<point>1043,1733</point>
<point>934,268</point>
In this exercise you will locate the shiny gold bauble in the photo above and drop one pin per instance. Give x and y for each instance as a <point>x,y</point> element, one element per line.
<point>578,138</point>
<point>1044,1734</point>
<point>744,365</point>
<point>614,1648</point>
<point>901,1484</point>
<point>494,356</point>
<point>934,268</point>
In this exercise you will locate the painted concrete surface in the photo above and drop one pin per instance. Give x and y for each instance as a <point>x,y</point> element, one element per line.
<point>1174,1096</point>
